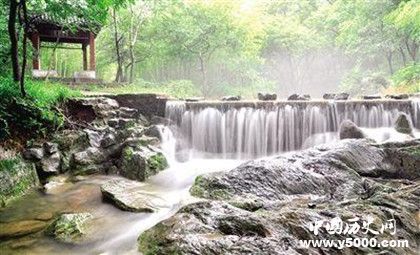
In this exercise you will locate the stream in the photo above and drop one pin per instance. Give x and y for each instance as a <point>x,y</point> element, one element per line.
<point>113,231</point>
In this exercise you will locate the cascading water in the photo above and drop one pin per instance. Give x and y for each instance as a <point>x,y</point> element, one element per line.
<point>235,131</point>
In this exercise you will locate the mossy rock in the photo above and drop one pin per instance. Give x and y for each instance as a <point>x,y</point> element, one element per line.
<point>203,187</point>
<point>141,162</point>
<point>70,228</point>
<point>16,178</point>
<point>153,241</point>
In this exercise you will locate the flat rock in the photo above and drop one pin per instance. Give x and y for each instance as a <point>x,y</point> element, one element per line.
<point>131,196</point>
<point>21,228</point>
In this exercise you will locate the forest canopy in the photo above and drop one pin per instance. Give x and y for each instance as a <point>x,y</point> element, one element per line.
<point>220,47</point>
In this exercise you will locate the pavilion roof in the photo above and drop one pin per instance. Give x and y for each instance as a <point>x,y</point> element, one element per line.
<point>54,22</point>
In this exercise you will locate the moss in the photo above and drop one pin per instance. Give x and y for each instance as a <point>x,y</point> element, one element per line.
<point>157,162</point>
<point>414,151</point>
<point>69,228</point>
<point>153,242</point>
<point>16,178</point>
<point>202,187</point>
<point>128,153</point>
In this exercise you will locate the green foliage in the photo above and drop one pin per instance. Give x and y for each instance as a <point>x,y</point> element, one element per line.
<point>34,115</point>
<point>358,82</point>
<point>408,77</point>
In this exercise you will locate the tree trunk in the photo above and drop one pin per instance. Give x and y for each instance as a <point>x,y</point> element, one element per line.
<point>203,76</point>
<point>389,59</point>
<point>118,76</point>
<point>24,49</point>
<point>404,59</point>
<point>412,51</point>
<point>14,39</point>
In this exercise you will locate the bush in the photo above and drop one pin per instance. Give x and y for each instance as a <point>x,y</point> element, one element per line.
<point>34,115</point>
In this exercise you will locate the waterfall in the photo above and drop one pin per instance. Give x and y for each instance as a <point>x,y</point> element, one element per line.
<point>243,131</point>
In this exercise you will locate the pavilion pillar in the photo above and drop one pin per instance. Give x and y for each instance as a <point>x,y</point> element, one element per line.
<point>85,64</point>
<point>92,61</point>
<point>36,65</point>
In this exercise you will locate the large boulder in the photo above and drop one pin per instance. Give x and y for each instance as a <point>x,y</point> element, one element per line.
<point>141,162</point>
<point>349,130</point>
<point>265,206</point>
<point>403,124</point>
<point>70,227</point>
<point>131,196</point>
<point>16,178</point>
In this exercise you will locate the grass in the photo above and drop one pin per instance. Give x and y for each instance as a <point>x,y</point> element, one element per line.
<point>177,89</point>
<point>42,93</point>
<point>22,119</point>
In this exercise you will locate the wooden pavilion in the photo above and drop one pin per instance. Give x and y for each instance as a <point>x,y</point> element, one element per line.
<point>44,28</point>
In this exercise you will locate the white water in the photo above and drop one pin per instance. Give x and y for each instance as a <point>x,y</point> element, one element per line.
<point>247,132</point>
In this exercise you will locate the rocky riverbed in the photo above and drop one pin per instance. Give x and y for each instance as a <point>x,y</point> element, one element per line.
<point>110,183</point>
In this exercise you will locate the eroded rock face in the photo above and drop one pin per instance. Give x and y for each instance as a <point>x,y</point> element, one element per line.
<point>349,130</point>
<point>70,227</point>
<point>264,206</point>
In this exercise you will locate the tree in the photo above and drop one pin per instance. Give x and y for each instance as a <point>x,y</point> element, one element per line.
<point>199,30</point>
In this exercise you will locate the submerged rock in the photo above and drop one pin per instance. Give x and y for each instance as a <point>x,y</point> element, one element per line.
<point>70,228</point>
<point>267,96</point>
<point>403,124</point>
<point>130,196</point>
<point>349,130</point>
<point>20,228</point>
